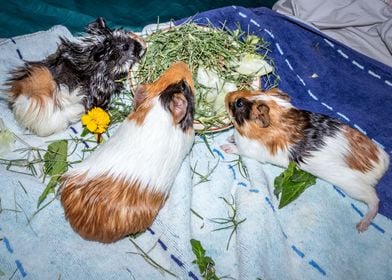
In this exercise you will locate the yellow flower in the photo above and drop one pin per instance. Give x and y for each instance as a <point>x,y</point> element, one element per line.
<point>96,120</point>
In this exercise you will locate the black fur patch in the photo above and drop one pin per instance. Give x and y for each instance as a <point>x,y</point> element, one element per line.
<point>315,128</point>
<point>167,95</point>
<point>241,109</point>
<point>137,49</point>
<point>93,63</point>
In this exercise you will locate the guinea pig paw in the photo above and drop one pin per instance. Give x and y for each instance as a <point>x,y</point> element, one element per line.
<point>229,148</point>
<point>363,225</point>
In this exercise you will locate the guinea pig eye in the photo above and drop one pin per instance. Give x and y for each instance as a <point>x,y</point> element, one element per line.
<point>125,47</point>
<point>239,103</point>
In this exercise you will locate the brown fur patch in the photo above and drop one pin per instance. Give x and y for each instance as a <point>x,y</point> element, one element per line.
<point>139,39</point>
<point>260,114</point>
<point>37,84</point>
<point>363,152</point>
<point>106,209</point>
<point>142,109</point>
<point>177,72</point>
<point>284,129</point>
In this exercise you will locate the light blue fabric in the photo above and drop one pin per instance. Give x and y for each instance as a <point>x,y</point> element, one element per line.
<point>312,238</point>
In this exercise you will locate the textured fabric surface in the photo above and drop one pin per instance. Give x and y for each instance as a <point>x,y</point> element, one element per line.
<point>365,26</point>
<point>312,238</point>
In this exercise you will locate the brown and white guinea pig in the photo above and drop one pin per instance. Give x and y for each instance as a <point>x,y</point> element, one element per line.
<point>48,95</point>
<point>119,189</point>
<point>269,129</point>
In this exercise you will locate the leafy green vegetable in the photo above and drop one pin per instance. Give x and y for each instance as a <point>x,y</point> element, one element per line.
<point>291,183</point>
<point>56,158</point>
<point>55,165</point>
<point>205,263</point>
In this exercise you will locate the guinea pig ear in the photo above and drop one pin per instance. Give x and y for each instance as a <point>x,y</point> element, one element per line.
<point>178,99</point>
<point>260,114</point>
<point>97,27</point>
<point>178,107</point>
<point>140,95</point>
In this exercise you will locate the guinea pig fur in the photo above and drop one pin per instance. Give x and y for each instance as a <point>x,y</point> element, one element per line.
<point>48,95</point>
<point>119,189</point>
<point>269,129</point>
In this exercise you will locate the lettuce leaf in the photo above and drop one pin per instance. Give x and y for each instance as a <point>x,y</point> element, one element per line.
<point>291,183</point>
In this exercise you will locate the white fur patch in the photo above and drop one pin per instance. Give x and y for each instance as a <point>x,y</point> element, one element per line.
<point>45,118</point>
<point>281,102</point>
<point>150,154</point>
<point>254,149</point>
<point>329,164</point>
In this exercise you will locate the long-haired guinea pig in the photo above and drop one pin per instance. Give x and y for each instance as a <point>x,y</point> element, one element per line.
<point>48,95</point>
<point>119,189</point>
<point>269,129</point>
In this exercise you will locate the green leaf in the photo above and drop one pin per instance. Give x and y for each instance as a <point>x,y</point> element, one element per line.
<point>205,263</point>
<point>55,165</point>
<point>199,252</point>
<point>49,189</point>
<point>197,249</point>
<point>278,185</point>
<point>56,158</point>
<point>84,132</point>
<point>282,179</point>
<point>291,183</point>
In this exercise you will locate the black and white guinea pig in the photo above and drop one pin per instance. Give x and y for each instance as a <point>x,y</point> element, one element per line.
<point>119,189</point>
<point>269,129</point>
<point>48,95</point>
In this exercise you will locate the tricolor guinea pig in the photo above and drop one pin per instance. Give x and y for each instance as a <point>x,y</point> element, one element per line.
<point>270,129</point>
<point>48,95</point>
<point>119,189</point>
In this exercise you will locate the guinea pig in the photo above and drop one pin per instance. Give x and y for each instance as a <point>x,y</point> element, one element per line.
<point>48,95</point>
<point>270,129</point>
<point>119,189</point>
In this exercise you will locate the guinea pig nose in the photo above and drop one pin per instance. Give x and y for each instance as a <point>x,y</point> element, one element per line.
<point>239,103</point>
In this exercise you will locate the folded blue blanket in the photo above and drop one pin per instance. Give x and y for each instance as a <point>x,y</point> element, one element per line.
<point>322,75</point>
